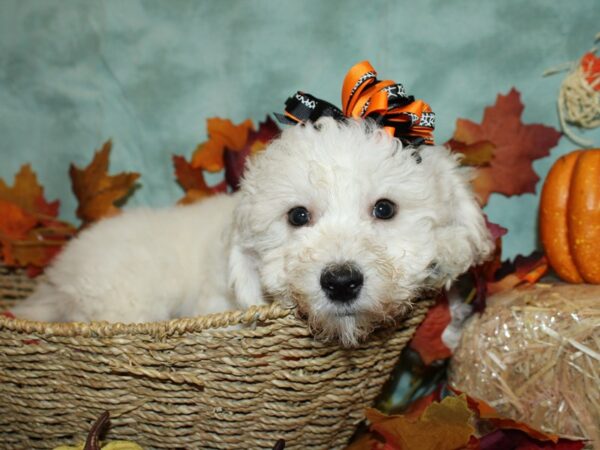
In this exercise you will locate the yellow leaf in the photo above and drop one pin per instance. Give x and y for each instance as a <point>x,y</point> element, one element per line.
<point>96,191</point>
<point>442,426</point>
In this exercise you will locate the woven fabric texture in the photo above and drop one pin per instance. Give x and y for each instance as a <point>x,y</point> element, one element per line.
<point>237,380</point>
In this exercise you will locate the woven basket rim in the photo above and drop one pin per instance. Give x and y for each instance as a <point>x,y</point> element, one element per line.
<point>253,314</point>
<point>259,313</point>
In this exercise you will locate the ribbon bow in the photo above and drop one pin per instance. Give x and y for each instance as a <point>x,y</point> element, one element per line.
<point>364,96</point>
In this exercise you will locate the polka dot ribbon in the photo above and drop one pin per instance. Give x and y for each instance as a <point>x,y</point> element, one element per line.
<point>364,96</point>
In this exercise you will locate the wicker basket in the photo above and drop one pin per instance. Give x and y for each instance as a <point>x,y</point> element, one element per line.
<point>187,383</point>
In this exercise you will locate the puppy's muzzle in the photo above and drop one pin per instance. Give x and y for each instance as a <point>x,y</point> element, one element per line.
<point>342,282</point>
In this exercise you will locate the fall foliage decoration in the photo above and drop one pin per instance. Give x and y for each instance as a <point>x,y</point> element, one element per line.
<point>30,232</point>
<point>97,192</point>
<point>447,424</point>
<point>502,148</point>
<point>228,147</point>
<point>570,216</point>
<point>442,425</point>
<point>192,181</point>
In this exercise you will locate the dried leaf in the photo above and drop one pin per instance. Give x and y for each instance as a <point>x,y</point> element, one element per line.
<point>518,440</point>
<point>227,148</point>
<point>28,193</point>
<point>30,233</point>
<point>427,340</point>
<point>497,231</point>
<point>517,145</point>
<point>442,426</point>
<point>416,408</point>
<point>477,154</point>
<point>257,141</point>
<point>96,191</point>
<point>222,133</point>
<point>524,269</point>
<point>489,413</point>
<point>15,222</point>
<point>192,181</point>
<point>371,442</point>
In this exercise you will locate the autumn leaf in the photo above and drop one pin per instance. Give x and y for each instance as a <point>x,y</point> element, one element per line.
<point>222,133</point>
<point>442,426</point>
<point>30,232</point>
<point>28,193</point>
<point>487,412</point>
<point>257,141</point>
<point>477,154</point>
<point>515,146</point>
<point>524,269</point>
<point>484,273</point>
<point>192,181</point>
<point>427,340</point>
<point>227,149</point>
<point>416,408</point>
<point>518,440</point>
<point>96,191</point>
<point>15,222</point>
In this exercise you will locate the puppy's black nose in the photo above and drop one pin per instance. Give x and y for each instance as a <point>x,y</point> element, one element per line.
<point>342,282</point>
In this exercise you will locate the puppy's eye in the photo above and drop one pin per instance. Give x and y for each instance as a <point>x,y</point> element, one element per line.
<point>384,209</point>
<point>298,216</point>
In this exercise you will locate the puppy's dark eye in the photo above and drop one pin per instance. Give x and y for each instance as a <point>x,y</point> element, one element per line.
<point>384,209</point>
<point>298,216</point>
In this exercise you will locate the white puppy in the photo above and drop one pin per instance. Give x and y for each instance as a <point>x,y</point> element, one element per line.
<point>335,217</point>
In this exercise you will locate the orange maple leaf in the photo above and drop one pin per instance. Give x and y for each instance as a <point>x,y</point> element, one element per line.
<point>222,133</point>
<point>442,426</point>
<point>28,193</point>
<point>30,233</point>
<point>516,146</point>
<point>96,191</point>
<point>227,148</point>
<point>192,181</point>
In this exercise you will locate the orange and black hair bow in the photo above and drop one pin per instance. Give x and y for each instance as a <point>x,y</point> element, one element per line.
<point>364,96</point>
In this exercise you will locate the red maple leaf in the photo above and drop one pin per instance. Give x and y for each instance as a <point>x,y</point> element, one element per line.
<point>514,146</point>
<point>427,340</point>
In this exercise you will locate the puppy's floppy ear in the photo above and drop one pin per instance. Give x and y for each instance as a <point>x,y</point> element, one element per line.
<point>462,237</point>
<point>243,275</point>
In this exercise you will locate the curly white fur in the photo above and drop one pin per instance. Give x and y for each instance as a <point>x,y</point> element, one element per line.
<point>234,251</point>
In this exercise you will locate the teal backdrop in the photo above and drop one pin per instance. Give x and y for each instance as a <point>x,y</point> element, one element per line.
<point>149,73</point>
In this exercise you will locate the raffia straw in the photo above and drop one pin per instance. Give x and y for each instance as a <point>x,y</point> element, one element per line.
<point>578,100</point>
<point>534,355</point>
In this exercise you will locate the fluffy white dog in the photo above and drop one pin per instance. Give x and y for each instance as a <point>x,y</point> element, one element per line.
<point>335,217</point>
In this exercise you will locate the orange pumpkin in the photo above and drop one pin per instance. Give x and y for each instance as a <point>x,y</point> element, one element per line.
<point>570,216</point>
